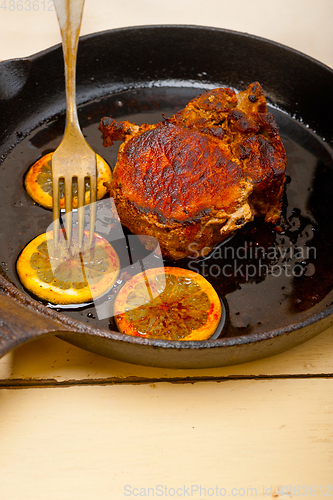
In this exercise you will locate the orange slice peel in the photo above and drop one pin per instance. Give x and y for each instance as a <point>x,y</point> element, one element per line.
<point>65,276</point>
<point>38,182</point>
<point>168,303</point>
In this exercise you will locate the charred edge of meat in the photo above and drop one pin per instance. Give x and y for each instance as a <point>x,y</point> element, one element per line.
<point>203,173</point>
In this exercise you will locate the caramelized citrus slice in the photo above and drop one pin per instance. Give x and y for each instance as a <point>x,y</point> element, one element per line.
<point>65,276</point>
<point>38,182</point>
<point>168,303</point>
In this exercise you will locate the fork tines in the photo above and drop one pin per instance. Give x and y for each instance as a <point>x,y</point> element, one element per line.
<point>62,169</point>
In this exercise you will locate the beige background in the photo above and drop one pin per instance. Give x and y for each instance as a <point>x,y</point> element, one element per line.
<point>77,426</point>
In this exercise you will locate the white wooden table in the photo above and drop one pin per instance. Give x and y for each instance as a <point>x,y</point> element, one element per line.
<point>76,426</point>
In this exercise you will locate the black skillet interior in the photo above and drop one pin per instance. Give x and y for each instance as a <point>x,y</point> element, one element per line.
<point>267,279</point>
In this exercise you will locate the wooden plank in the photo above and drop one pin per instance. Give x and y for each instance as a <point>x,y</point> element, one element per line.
<point>92,442</point>
<point>54,361</point>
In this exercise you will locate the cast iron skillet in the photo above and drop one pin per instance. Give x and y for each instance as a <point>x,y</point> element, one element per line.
<point>140,73</point>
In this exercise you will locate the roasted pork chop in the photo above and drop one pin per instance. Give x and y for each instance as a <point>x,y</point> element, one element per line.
<point>194,178</point>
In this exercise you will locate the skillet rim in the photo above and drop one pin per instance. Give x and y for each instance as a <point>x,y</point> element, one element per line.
<point>80,327</point>
<point>181,26</point>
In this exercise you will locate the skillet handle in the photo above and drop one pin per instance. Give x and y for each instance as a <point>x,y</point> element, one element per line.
<point>19,324</point>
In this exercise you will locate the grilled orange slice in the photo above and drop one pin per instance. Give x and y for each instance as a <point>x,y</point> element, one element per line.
<point>65,276</point>
<point>168,303</point>
<point>38,182</point>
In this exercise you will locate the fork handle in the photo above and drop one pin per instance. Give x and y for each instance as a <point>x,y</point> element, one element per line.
<point>69,13</point>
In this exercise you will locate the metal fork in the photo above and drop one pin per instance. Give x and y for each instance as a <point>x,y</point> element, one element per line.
<point>73,158</point>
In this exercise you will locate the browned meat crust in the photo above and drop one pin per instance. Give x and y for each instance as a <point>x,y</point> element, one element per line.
<point>193,179</point>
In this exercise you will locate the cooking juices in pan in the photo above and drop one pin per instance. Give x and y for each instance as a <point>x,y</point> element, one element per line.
<point>266,277</point>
